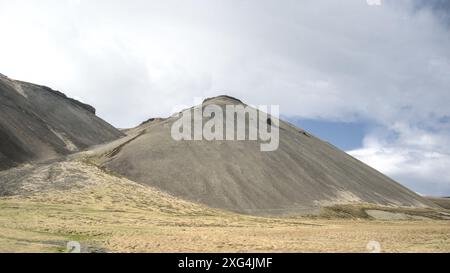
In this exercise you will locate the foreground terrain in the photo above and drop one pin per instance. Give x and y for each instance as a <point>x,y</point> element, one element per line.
<point>50,204</point>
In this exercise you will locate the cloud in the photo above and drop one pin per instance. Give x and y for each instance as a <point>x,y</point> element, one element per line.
<point>317,59</point>
<point>329,60</point>
<point>416,158</point>
<point>441,8</point>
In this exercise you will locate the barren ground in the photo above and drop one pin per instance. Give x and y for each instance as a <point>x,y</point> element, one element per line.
<point>106,213</point>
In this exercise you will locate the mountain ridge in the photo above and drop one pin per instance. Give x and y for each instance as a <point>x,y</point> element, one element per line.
<point>38,123</point>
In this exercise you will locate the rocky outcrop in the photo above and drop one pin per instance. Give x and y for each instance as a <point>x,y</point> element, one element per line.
<point>38,123</point>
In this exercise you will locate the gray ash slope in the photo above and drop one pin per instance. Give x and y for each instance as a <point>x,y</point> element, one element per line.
<point>38,123</point>
<point>302,176</point>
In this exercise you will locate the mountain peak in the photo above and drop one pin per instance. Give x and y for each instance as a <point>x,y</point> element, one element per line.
<point>223,99</point>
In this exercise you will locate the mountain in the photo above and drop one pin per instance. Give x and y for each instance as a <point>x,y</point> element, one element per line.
<point>443,202</point>
<point>300,177</point>
<point>38,123</point>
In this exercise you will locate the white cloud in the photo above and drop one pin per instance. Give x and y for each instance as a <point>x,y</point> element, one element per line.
<point>314,58</point>
<point>414,157</point>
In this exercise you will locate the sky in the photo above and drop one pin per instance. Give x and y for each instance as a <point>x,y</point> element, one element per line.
<point>372,79</point>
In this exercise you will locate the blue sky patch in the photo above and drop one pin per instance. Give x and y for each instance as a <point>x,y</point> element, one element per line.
<point>345,135</point>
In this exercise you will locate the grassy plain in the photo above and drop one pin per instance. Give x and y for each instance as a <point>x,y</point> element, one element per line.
<point>106,213</point>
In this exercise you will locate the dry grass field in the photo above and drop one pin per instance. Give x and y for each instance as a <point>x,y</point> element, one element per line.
<point>106,213</point>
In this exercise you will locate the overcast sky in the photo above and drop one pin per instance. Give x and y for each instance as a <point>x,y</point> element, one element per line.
<point>375,79</point>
